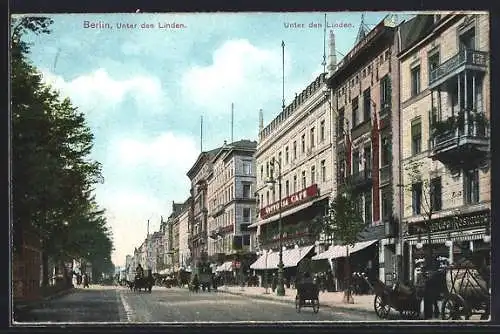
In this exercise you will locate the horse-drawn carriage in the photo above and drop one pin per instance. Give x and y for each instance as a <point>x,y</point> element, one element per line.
<point>145,282</point>
<point>468,292</point>
<point>400,297</point>
<point>307,289</point>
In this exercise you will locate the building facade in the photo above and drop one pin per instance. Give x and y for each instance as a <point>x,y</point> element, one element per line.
<point>299,140</point>
<point>444,127</point>
<point>362,99</point>
<point>184,255</point>
<point>198,174</point>
<point>231,200</point>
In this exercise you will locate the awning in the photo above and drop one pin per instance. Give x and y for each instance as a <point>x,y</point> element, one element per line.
<point>226,266</point>
<point>454,236</point>
<point>340,251</point>
<point>291,257</point>
<point>283,214</point>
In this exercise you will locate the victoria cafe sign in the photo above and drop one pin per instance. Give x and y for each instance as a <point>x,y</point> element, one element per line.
<point>290,201</point>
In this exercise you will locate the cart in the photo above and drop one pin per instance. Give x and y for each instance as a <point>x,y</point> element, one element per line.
<point>402,298</point>
<point>307,296</point>
<point>468,292</point>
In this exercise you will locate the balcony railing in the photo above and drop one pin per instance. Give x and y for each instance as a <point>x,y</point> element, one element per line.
<point>385,174</point>
<point>361,178</point>
<point>476,59</point>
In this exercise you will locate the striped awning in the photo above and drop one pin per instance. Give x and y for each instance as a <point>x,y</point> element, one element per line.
<point>341,251</point>
<point>226,266</point>
<point>456,236</point>
<point>291,257</point>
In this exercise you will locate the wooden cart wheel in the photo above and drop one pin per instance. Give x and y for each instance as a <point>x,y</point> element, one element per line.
<point>297,304</point>
<point>454,308</point>
<point>315,305</point>
<point>381,307</point>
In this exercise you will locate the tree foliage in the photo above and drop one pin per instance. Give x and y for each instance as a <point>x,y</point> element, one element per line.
<point>53,177</point>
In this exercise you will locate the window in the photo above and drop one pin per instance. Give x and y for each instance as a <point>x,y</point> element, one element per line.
<point>385,93</point>
<point>416,198</point>
<point>295,150</point>
<point>416,137</point>
<point>267,169</point>
<point>368,159</point>
<point>286,155</point>
<point>246,191</point>
<point>323,171</point>
<point>267,197</point>
<point>247,168</point>
<point>433,61</point>
<point>303,143</point>
<point>386,151</point>
<point>246,239</point>
<point>322,131</point>
<point>295,183</point>
<point>287,188</point>
<point>246,215</point>
<point>312,137</point>
<point>273,195</point>
<point>355,162</point>
<point>279,158</point>
<point>303,179</point>
<point>341,122</point>
<point>355,112</point>
<point>367,102</point>
<point>313,174</point>
<point>415,81</point>
<point>368,208</point>
<point>262,200</point>
<point>262,171</point>
<point>386,204</point>
<point>467,40</point>
<point>436,194</point>
<point>471,185</point>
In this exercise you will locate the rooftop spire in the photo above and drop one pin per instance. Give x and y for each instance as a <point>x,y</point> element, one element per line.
<point>363,31</point>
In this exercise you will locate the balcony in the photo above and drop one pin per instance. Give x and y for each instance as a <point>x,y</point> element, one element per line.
<point>361,129</point>
<point>463,60</point>
<point>361,179</point>
<point>456,141</point>
<point>385,175</point>
<point>218,210</point>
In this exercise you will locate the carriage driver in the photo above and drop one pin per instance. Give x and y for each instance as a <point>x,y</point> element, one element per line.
<point>139,272</point>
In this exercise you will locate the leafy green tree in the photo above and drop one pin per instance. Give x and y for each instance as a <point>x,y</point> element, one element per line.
<point>52,175</point>
<point>342,223</point>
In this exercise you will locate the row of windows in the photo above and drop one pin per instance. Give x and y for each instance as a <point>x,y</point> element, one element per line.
<point>428,199</point>
<point>290,156</point>
<point>223,173</point>
<point>228,195</point>
<point>291,188</point>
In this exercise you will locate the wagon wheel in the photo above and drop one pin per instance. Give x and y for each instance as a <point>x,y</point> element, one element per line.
<point>315,305</point>
<point>297,304</point>
<point>381,307</point>
<point>454,308</point>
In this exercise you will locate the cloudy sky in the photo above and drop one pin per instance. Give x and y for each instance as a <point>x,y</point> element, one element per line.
<point>144,89</point>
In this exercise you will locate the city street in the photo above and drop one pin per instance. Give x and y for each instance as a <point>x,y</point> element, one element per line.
<point>118,304</point>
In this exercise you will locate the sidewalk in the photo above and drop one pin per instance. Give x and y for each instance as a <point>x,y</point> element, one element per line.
<point>23,305</point>
<point>363,303</point>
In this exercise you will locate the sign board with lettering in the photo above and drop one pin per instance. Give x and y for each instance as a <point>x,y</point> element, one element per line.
<point>290,201</point>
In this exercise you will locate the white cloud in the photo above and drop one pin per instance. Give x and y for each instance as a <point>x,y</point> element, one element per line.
<point>240,72</point>
<point>129,207</point>
<point>99,92</point>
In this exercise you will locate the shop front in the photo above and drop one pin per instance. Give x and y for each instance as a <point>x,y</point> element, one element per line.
<point>451,239</point>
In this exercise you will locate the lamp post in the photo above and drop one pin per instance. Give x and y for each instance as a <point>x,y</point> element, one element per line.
<point>280,289</point>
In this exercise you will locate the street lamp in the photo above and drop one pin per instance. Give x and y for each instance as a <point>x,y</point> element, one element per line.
<point>280,289</point>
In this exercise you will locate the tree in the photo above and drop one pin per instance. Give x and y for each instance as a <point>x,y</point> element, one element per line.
<point>52,176</point>
<point>343,223</point>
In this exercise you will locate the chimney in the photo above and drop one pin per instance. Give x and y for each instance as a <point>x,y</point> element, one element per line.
<point>332,58</point>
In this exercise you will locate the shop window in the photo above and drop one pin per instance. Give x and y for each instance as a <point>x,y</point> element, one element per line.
<point>415,81</point>
<point>471,186</point>
<point>416,198</point>
<point>436,194</point>
<point>416,137</point>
